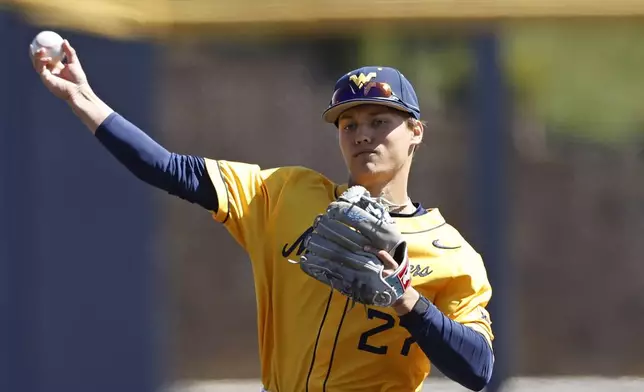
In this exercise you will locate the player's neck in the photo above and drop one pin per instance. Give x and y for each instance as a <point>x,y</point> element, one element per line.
<point>396,194</point>
<point>394,190</point>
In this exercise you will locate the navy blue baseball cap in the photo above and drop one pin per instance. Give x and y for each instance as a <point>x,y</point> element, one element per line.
<point>372,85</point>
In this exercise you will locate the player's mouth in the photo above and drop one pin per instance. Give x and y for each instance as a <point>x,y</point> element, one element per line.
<point>364,152</point>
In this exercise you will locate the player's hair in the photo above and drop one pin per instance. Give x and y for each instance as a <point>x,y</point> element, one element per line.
<point>411,121</point>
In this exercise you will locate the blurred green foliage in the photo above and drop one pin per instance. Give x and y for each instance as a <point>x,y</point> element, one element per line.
<point>580,78</point>
<point>583,78</point>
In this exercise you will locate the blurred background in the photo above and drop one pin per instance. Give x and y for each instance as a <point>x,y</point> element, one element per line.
<point>533,151</point>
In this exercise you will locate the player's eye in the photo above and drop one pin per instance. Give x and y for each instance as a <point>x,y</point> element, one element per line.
<point>349,127</point>
<point>378,122</point>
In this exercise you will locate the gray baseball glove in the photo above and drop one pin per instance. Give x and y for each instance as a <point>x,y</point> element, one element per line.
<point>334,252</point>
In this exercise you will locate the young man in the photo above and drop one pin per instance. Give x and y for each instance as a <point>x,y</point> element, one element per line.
<point>310,338</point>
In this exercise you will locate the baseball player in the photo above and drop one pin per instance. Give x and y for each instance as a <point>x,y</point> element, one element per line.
<point>318,248</point>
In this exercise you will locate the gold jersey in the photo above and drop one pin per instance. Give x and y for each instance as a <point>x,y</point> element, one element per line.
<point>310,337</point>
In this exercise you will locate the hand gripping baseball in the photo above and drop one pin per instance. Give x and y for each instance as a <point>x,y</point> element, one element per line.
<point>64,80</point>
<point>334,251</point>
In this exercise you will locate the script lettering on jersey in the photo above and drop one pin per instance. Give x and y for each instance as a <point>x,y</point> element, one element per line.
<point>418,271</point>
<point>287,250</point>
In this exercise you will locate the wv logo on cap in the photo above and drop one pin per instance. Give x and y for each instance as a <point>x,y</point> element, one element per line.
<point>361,79</point>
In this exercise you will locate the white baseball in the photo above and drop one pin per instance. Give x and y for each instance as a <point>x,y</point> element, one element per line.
<point>51,42</point>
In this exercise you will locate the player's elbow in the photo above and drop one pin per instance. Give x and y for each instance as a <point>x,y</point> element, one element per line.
<point>481,378</point>
<point>475,378</point>
<point>478,383</point>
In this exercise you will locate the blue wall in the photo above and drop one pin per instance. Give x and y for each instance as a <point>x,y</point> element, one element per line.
<point>489,187</point>
<point>77,292</point>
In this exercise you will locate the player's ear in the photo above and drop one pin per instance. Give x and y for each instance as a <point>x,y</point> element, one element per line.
<point>417,128</point>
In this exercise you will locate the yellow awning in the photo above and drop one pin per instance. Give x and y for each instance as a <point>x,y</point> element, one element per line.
<point>132,18</point>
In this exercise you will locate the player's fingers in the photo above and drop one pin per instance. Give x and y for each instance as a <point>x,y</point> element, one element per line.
<point>70,53</point>
<point>38,53</point>
<point>42,62</point>
<point>47,62</point>
<point>36,57</point>
<point>387,260</point>
<point>57,69</point>
<point>46,75</point>
<point>46,70</point>
<point>65,73</point>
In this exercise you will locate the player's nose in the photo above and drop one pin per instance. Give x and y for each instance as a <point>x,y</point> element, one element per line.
<point>362,139</point>
<point>363,135</point>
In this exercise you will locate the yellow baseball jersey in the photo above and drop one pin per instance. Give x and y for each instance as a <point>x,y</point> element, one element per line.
<point>310,338</point>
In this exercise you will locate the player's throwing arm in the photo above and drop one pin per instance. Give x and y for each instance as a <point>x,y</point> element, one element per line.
<point>60,70</point>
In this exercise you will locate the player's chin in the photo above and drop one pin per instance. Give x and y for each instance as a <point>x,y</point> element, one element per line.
<point>367,162</point>
<point>367,172</point>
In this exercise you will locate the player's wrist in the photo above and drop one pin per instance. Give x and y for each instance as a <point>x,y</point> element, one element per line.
<point>91,110</point>
<point>81,96</point>
<point>406,302</point>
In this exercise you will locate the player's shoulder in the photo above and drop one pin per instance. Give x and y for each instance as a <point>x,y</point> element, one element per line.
<point>303,173</point>
<point>458,253</point>
<point>301,183</point>
<point>293,179</point>
<point>281,173</point>
<point>304,177</point>
<point>442,239</point>
<point>449,238</point>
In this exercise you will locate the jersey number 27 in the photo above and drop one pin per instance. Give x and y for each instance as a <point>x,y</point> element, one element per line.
<point>390,322</point>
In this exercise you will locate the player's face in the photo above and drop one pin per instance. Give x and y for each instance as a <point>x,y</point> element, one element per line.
<point>376,142</point>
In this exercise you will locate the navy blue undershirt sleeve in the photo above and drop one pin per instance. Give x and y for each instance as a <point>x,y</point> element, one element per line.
<point>459,352</point>
<point>184,176</point>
